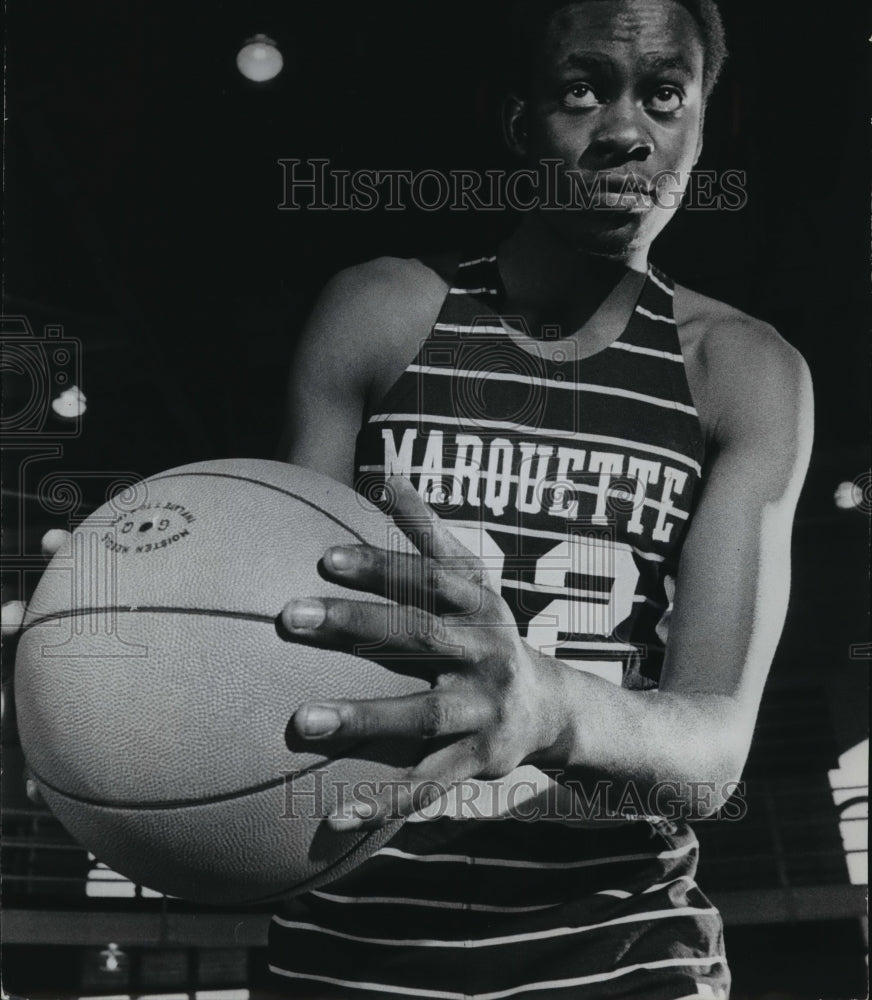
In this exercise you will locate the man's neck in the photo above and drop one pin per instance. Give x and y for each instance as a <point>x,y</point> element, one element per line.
<point>548,281</point>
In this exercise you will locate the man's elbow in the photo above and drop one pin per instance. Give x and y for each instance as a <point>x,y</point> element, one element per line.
<point>707,772</point>
<point>705,797</point>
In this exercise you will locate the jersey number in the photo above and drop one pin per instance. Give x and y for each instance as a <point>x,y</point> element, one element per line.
<point>592,579</point>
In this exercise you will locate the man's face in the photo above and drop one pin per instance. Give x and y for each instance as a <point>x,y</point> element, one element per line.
<point>616,93</point>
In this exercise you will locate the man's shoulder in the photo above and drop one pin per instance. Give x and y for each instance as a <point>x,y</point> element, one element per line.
<point>376,315</point>
<point>752,382</point>
<point>381,301</point>
<point>741,369</point>
<point>385,282</point>
<point>726,337</point>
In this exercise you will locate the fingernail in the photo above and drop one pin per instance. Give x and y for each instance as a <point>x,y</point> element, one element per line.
<point>31,790</point>
<point>342,824</point>
<point>319,720</point>
<point>305,614</point>
<point>353,817</point>
<point>340,558</point>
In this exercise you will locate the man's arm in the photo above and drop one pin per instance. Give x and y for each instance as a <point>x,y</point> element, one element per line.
<point>364,329</point>
<point>328,379</point>
<point>731,591</point>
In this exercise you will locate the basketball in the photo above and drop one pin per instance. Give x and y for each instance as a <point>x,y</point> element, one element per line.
<point>154,683</point>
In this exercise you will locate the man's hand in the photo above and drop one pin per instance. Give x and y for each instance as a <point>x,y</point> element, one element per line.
<point>489,709</point>
<point>13,612</point>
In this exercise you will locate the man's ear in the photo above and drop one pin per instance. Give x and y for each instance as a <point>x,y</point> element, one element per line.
<point>515,124</point>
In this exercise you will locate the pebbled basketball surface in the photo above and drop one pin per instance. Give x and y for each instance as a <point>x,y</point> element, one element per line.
<point>154,685</point>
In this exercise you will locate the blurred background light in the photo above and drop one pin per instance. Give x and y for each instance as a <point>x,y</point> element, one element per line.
<point>850,495</point>
<point>71,403</point>
<point>259,59</point>
<point>850,785</point>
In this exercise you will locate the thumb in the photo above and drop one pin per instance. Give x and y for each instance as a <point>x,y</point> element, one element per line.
<point>11,617</point>
<point>54,540</point>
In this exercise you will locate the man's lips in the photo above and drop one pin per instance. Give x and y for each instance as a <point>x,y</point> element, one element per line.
<point>618,194</point>
<point>630,184</point>
<point>612,192</point>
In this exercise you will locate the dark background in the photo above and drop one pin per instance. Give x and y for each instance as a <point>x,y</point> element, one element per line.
<point>142,188</point>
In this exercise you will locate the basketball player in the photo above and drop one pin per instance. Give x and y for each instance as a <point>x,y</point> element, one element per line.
<point>615,462</point>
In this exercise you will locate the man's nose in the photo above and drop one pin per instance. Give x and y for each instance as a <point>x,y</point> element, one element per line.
<point>621,137</point>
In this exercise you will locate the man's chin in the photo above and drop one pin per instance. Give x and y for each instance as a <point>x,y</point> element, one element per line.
<point>603,233</point>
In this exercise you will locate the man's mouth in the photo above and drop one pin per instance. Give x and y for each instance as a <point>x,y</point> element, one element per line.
<point>630,184</point>
<point>613,192</point>
<point>622,192</point>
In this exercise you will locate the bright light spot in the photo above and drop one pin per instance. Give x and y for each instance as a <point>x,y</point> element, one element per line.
<point>112,959</point>
<point>102,881</point>
<point>848,496</point>
<point>222,995</point>
<point>851,781</point>
<point>259,59</point>
<point>70,404</point>
<point>113,890</point>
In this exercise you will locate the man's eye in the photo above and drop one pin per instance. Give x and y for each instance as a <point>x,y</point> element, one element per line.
<point>579,95</point>
<point>666,100</point>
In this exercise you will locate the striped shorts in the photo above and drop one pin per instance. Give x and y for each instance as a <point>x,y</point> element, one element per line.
<point>481,910</point>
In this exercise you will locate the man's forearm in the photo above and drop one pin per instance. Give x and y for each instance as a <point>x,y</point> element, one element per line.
<point>596,731</point>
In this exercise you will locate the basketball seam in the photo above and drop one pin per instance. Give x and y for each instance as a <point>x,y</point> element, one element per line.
<point>297,887</point>
<point>167,609</point>
<point>149,609</point>
<point>169,804</point>
<point>244,615</point>
<point>319,877</point>
<point>268,486</point>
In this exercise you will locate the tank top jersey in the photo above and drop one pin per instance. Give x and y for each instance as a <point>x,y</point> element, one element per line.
<point>574,481</point>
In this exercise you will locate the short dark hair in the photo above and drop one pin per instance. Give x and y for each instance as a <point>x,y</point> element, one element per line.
<point>530,18</point>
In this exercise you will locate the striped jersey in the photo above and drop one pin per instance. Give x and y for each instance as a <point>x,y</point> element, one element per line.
<point>574,481</point>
